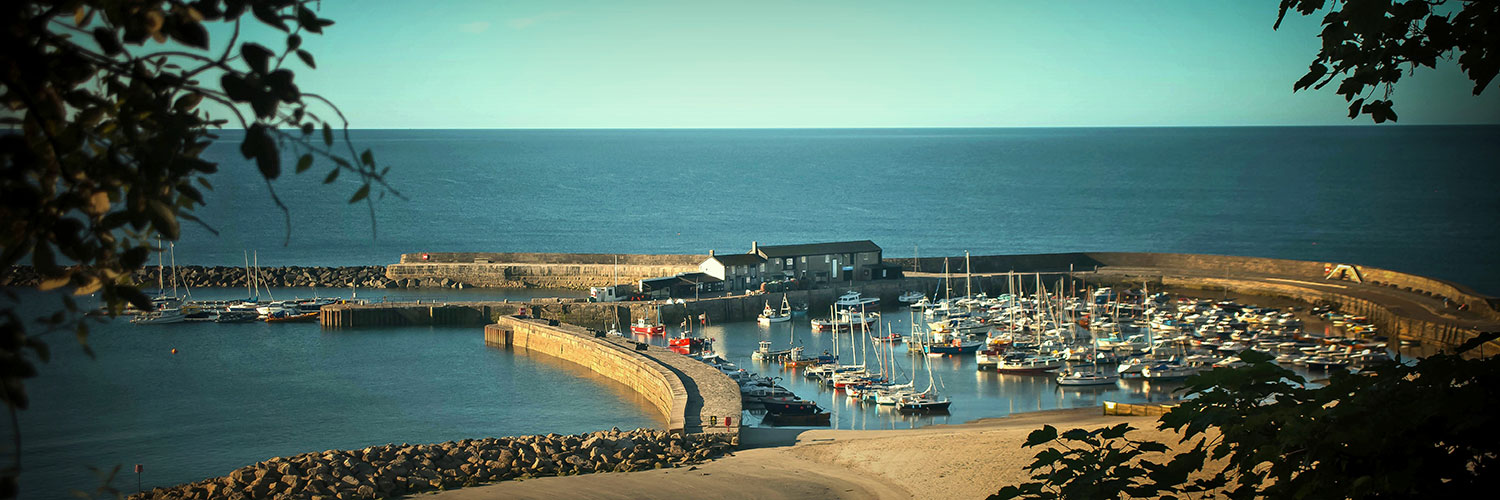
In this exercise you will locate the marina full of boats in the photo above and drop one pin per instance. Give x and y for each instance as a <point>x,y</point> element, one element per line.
<point>174,308</point>
<point>1043,350</point>
<point>171,309</point>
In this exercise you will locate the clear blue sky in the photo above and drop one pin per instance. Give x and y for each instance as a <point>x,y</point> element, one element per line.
<point>865,63</point>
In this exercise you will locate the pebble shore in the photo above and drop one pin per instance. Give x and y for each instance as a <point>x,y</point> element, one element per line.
<point>400,469</point>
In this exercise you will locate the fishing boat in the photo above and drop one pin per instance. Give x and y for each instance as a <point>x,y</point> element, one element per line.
<point>955,346</point>
<point>768,315</point>
<point>821,418</point>
<point>643,328</point>
<point>1028,364</point>
<point>1076,378</point>
<point>911,297</point>
<point>160,317</point>
<point>1168,371</point>
<point>291,316</point>
<point>844,320</point>
<point>790,406</point>
<point>236,317</point>
<point>852,300</point>
<point>686,339</point>
<point>765,353</point>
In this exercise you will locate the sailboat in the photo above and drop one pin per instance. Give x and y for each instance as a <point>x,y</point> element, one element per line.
<point>768,315</point>
<point>925,401</point>
<point>1092,377</point>
<point>165,308</point>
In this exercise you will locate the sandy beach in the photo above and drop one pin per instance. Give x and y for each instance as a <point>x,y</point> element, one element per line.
<point>971,460</point>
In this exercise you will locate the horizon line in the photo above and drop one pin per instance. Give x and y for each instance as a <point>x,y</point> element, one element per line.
<point>942,127</point>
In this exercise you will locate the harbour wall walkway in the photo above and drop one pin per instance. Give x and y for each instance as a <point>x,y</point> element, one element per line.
<point>693,397</point>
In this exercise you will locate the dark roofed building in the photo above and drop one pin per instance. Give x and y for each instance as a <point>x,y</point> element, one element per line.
<point>823,262</point>
<point>840,247</point>
<point>682,285</point>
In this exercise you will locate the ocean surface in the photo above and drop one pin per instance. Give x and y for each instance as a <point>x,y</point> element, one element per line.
<point>1417,199</point>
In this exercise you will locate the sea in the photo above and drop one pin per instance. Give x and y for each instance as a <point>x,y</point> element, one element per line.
<point>192,401</point>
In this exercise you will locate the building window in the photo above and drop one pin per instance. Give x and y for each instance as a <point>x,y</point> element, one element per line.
<point>826,258</point>
<point>763,267</point>
<point>804,259</point>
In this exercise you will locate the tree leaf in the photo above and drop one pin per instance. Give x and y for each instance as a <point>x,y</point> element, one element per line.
<point>191,34</point>
<point>331,176</point>
<point>1039,436</point>
<point>304,163</point>
<point>367,158</point>
<point>258,144</point>
<point>360,194</point>
<point>267,14</point>
<point>108,42</point>
<point>134,296</point>
<point>327,134</point>
<point>164,219</point>
<point>256,56</point>
<point>307,58</point>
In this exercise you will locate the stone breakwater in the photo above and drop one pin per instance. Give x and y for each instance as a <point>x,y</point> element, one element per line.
<point>232,277</point>
<point>394,470</point>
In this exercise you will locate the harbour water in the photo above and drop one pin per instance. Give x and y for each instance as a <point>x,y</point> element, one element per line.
<point>236,394</point>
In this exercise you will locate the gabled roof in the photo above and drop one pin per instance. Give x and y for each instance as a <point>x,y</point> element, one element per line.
<point>769,251</point>
<point>739,259</point>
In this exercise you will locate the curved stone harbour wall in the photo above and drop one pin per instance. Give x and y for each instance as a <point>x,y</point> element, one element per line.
<point>654,382</point>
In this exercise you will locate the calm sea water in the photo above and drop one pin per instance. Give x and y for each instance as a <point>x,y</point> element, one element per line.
<point>1418,199</point>
<point>237,394</point>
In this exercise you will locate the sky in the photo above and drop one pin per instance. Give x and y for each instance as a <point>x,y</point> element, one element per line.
<point>865,63</point>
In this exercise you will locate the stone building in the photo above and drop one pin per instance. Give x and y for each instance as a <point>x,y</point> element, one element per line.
<point>742,271</point>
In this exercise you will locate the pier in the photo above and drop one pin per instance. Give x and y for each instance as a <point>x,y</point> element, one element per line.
<point>694,398</point>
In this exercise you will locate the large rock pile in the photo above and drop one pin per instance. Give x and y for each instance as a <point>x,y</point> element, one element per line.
<point>394,470</point>
<point>225,276</point>
<point>291,276</point>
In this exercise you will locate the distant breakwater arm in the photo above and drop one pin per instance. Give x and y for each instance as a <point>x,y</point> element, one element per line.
<point>234,277</point>
<point>534,270</point>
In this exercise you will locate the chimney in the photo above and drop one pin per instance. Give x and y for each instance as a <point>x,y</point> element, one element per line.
<point>710,252</point>
<point>754,247</point>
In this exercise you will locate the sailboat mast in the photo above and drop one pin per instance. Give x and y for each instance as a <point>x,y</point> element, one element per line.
<point>833,319</point>
<point>968,271</point>
<point>172,251</point>
<point>161,284</point>
<point>248,292</point>
<point>947,281</point>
